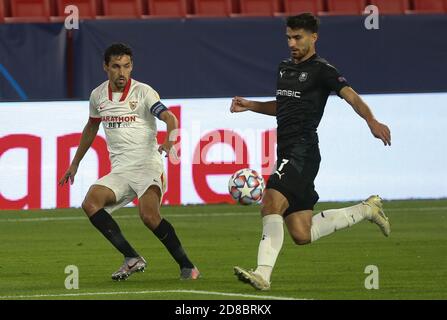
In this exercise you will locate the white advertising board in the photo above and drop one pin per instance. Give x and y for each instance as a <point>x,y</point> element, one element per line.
<point>38,139</point>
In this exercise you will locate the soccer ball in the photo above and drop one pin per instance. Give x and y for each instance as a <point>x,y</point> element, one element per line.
<point>246,186</point>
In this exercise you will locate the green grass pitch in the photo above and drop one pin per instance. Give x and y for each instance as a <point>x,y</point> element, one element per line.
<point>36,246</point>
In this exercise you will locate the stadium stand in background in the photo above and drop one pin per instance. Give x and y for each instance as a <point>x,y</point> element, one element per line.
<point>196,36</point>
<point>53,10</point>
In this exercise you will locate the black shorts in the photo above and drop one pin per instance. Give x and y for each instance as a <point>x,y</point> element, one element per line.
<point>294,177</point>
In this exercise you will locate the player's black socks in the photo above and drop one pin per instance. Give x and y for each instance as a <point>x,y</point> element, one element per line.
<point>110,229</point>
<point>166,234</point>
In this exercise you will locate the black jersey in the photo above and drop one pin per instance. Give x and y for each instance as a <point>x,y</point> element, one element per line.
<point>302,92</point>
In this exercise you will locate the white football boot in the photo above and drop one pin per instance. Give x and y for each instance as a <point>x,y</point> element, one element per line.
<point>254,279</point>
<point>377,215</point>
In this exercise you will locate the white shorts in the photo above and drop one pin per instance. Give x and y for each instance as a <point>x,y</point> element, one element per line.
<point>132,184</point>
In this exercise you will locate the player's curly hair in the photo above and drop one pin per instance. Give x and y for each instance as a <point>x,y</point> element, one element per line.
<point>306,21</point>
<point>117,49</point>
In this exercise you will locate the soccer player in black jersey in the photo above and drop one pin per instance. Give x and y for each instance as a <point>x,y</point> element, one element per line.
<point>303,86</point>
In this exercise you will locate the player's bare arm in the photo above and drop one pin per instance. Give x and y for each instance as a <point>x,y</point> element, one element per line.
<point>239,104</point>
<point>379,130</point>
<point>88,135</point>
<point>172,131</point>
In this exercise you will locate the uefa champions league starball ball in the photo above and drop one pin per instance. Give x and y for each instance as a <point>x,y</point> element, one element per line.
<point>246,186</point>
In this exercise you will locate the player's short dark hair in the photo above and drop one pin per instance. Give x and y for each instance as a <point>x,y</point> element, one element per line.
<point>306,21</point>
<point>117,49</point>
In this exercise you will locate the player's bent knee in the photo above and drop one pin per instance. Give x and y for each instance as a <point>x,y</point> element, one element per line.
<point>301,241</point>
<point>89,207</point>
<point>151,220</point>
<point>273,202</point>
<point>301,238</point>
<point>270,207</point>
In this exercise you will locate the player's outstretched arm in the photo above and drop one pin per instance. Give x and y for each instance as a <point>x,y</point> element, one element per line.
<point>379,130</point>
<point>88,135</point>
<point>239,104</point>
